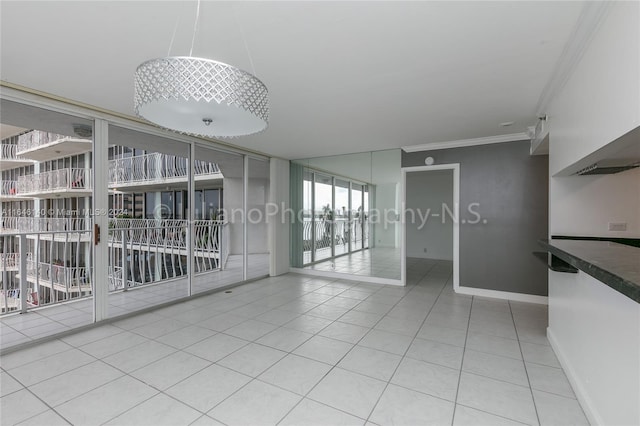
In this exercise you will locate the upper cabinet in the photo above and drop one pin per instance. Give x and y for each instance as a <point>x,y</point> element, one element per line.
<point>600,101</point>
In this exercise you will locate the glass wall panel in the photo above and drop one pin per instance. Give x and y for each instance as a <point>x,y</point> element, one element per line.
<point>323,216</point>
<point>342,215</point>
<point>218,221</point>
<point>357,212</point>
<point>198,202</point>
<point>165,237</point>
<point>211,201</point>
<point>257,231</point>
<point>365,239</point>
<point>148,255</point>
<point>334,216</point>
<point>307,213</point>
<point>46,188</point>
<point>365,217</point>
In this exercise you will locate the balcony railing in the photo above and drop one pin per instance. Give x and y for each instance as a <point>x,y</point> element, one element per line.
<point>141,252</point>
<point>321,235</point>
<point>37,138</point>
<point>116,281</point>
<point>9,223</point>
<point>59,277</point>
<point>9,187</point>
<point>154,167</point>
<point>156,250</point>
<point>8,151</point>
<point>56,224</point>
<point>11,261</point>
<point>167,233</point>
<point>64,276</point>
<point>55,180</point>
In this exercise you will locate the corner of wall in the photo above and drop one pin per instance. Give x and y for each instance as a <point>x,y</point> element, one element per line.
<point>278,223</point>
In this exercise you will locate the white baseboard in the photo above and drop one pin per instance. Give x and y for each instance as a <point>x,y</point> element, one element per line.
<point>351,277</point>
<point>506,295</point>
<point>578,389</point>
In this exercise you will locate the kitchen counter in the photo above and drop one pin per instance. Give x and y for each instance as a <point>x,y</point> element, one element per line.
<point>616,265</point>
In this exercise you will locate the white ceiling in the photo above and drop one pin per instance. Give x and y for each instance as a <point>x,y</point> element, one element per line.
<point>343,76</point>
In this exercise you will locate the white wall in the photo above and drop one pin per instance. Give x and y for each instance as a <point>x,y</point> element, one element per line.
<point>233,188</point>
<point>354,166</point>
<point>594,330</point>
<point>584,205</point>
<point>385,232</point>
<point>386,175</point>
<point>599,103</point>
<point>427,192</point>
<point>279,228</point>
<point>257,198</point>
<point>601,100</point>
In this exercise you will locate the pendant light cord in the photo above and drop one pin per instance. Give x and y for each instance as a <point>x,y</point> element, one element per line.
<point>175,29</point>
<point>244,40</point>
<point>195,28</point>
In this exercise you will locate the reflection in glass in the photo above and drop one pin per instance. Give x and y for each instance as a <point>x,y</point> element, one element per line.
<point>307,213</point>
<point>323,217</point>
<point>357,213</point>
<point>197,207</point>
<point>258,245</point>
<point>46,188</point>
<point>211,205</point>
<point>366,233</point>
<point>147,174</point>
<point>342,214</point>
<point>217,226</point>
<point>365,217</point>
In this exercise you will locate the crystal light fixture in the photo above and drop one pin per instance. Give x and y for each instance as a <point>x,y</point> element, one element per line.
<point>200,97</point>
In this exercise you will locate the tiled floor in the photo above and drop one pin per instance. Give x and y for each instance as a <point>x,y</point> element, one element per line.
<point>376,262</point>
<point>298,350</point>
<point>338,249</point>
<point>46,321</point>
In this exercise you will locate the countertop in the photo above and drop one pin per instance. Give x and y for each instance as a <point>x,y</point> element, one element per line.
<point>616,265</point>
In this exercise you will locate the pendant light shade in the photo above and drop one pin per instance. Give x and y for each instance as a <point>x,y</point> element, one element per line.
<point>200,97</point>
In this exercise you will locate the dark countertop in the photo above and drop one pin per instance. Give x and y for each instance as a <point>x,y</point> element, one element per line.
<point>616,265</point>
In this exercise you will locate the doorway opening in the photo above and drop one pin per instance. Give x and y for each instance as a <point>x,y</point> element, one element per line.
<point>430,229</point>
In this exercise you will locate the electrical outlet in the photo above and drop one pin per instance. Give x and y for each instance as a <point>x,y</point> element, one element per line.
<point>617,226</point>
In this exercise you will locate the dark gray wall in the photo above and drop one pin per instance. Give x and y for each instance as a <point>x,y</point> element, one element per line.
<point>511,189</point>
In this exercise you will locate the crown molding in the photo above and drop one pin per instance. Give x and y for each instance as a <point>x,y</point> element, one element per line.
<point>590,18</point>
<point>513,137</point>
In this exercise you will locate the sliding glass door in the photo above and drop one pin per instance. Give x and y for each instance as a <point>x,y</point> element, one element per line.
<point>357,212</point>
<point>335,216</point>
<point>342,217</point>
<point>323,216</point>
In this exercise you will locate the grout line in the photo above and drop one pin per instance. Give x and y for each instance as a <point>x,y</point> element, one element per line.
<point>535,407</point>
<point>269,293</point>
<point>62,403</point>
<point>464,350</point>
<point>410,344</point>
<point>252,378</point>
<point>334,366</point>
<point>492,414</point>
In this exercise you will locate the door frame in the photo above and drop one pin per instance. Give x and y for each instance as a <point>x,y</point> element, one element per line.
<point>455,167</point>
